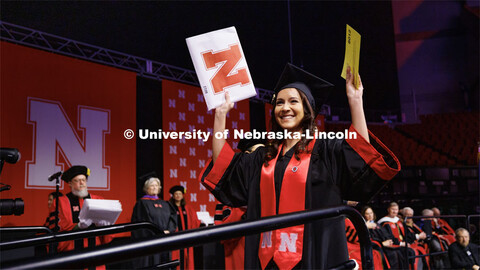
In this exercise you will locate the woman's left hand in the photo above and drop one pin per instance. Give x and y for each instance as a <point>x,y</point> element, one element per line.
<point>355,102</point>
<point>353,93</point>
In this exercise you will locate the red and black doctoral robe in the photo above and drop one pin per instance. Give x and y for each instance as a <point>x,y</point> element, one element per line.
<point>69,207</point>
<point>234,248</point>
<point>186,218</point>
<point>398,233</point>
<point>444,231</point>
<point>354,250</point>
<point>337,170</point>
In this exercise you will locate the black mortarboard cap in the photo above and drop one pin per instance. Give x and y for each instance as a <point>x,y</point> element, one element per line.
<point>315,88</point>
<point>245,144</point>
<point>75,170</point>
<point>147,176</point>
<point>177,188</point>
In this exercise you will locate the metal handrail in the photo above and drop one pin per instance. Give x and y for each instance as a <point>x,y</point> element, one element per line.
<point>468,221</point>
<point>178,240</point>
<point>72,235</point>
<point>429,254</point>
<point>38,229</point>
<point>441,216</point>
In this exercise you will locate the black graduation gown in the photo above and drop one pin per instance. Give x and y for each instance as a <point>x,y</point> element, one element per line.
<point>338,170</point>
<point>395,255</point>
<point>161,214</point>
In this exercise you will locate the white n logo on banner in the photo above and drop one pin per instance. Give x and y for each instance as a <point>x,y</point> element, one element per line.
<point>54,135</point>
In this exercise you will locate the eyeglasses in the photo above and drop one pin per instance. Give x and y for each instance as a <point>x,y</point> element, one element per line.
<point>79,180</point>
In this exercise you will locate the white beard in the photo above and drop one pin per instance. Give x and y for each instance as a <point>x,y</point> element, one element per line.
<point>80,193</point>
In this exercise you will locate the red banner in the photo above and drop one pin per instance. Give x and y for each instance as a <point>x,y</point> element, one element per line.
<point>60,111</point>
<point>184,110</point>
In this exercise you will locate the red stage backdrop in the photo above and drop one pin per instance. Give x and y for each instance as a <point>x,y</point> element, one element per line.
<point>184,109</point>
<point>60,111</point>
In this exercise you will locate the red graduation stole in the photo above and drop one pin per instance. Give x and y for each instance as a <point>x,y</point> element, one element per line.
<point>397,230</point>
<point>284,245</point>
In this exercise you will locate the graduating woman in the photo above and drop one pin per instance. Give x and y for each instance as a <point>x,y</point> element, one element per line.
<point>152,209</point>
<point>297,173</point>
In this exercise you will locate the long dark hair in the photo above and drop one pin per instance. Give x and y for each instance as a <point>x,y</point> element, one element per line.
<point>182,202</point>
<point>365,208</point>
<point>308,122</point>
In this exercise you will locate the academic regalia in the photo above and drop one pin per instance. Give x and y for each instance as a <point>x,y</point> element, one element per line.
<point>444,231</point>
<point>398,233</point>
<point>354,250</point>
<point>234,248</point>
<point>186,218</point>
<point>444,227</point>
<point>338,170</point>
<point>161,214</point>
<point>69,207</point>
<point>422,245</point>
<point>395,257</point>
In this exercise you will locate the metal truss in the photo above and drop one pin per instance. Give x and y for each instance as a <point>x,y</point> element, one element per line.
<point>143,67</point>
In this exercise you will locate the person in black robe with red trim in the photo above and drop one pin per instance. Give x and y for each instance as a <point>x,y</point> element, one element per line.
<point>402,237</point>
<point>298,173</point>
<point>69,207</point>
<point>186,220</point>
<point>50,221</point>
<point>151,208</point>
<point>235,248</point>
<point>393,256</point>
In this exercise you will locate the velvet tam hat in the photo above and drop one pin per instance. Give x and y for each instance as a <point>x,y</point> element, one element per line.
<point>177,188</point>
<point>75,170</point>
<point>147,176</point>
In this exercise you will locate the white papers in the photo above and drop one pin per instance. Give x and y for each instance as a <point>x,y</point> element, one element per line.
<point>205,218</point>
<point>104,212</point>
<point>220,65</point>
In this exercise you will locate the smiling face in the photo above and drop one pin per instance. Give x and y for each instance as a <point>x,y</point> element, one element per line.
<point>289,110</point>
<point>393,211</point>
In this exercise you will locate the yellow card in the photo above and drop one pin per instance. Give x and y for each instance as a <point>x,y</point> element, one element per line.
<point>352,54</point>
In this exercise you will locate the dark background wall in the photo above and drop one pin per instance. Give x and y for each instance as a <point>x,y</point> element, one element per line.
<point>437,55</point>
<point>157,30</point>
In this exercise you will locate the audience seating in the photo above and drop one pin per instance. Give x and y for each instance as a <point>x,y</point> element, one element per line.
<point>439,140</point>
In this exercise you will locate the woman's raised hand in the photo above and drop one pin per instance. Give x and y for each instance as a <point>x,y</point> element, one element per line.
<point>355,101</point>
<point>352,92</point>
<point>225,107</point>
<point>219,125</point>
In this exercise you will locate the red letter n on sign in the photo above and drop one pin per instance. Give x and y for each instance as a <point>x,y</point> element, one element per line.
<point>226,74</point>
